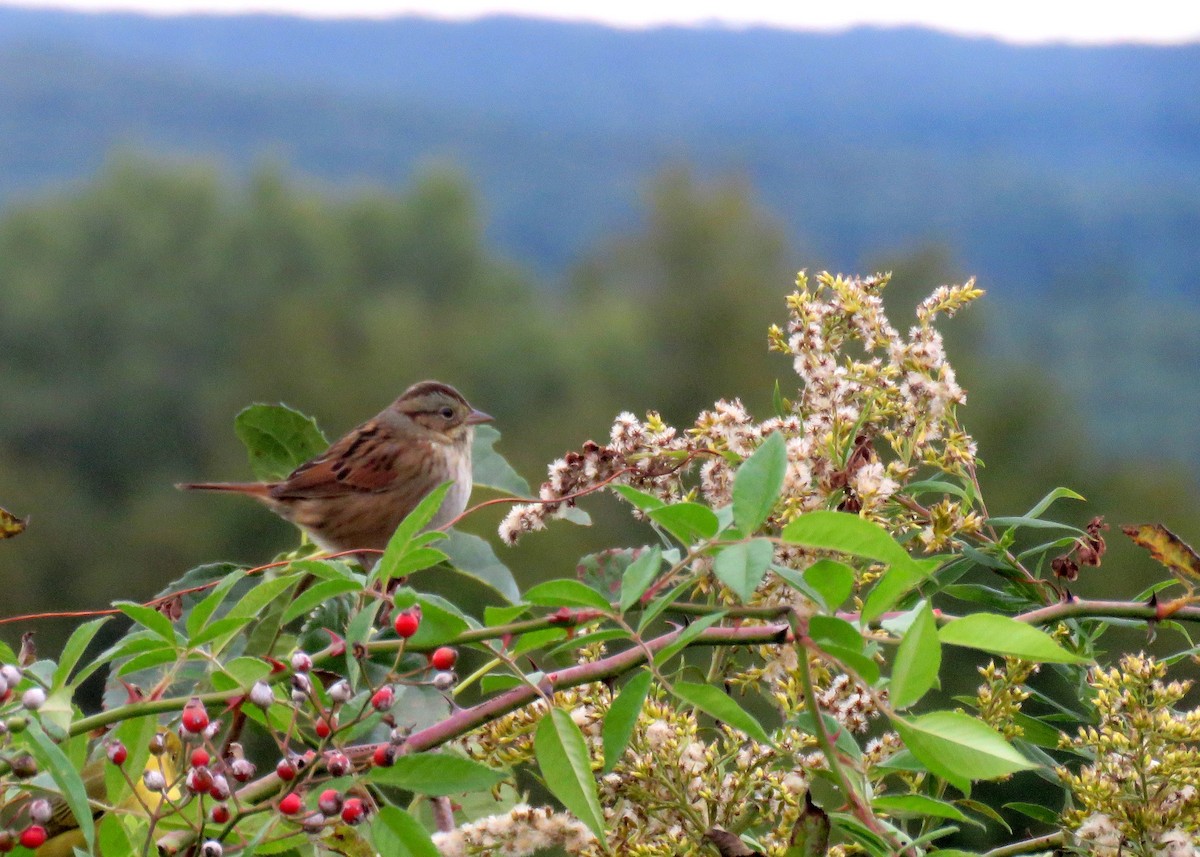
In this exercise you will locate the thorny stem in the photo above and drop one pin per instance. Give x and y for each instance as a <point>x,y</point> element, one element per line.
<point>464,720</point>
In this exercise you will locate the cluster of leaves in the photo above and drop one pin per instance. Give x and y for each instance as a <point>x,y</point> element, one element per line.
<point>761,679</point>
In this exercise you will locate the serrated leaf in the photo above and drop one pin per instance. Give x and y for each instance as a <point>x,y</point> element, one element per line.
<point>400,544</point>
<point>490,469</point>
<point>203,611</point>
<point>565,763</point>
<point>149,618</point>
<point>317,594</point>
<point>757,483</point>
<point>959,748</point>
<point>278,439</point>
<point>75,646</point>
<point>397,834</point>
<point>716,703</point>
<point>918,660</point>
<point>1167,549</point>
<point>741,566</point>
<point>437,774</point>
<point>638,576</point>
<point>622,717</point>
<point>688,522</point>
<point>1000,635</point>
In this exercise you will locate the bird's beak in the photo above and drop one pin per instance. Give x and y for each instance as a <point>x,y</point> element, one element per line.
<point>476,417</point>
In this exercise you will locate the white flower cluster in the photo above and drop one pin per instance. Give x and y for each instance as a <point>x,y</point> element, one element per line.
<point>1100,836</point>
<point>899,390</point>
<point>520,831</point>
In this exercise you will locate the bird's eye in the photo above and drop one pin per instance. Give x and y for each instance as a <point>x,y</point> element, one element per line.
<point>446,412</point>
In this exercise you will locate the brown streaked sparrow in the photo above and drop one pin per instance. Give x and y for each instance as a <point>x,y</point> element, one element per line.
<point>355,494</point>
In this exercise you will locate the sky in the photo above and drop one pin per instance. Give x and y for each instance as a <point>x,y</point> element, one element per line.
<point>1024,21</point>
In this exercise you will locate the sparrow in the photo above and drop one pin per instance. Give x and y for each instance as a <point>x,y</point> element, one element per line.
<point>354,494</point>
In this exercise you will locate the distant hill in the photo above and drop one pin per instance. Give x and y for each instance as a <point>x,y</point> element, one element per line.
<point>1030,163</point>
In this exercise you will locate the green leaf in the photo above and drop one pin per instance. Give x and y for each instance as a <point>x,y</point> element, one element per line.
<point>846,533</point>
<point>150,618</point>
<point>399,544</point>
<point>622,717</point>
<point>66,776</point>
<point>490,469</point>
<point>254,603</point>
<point>566,593</point>
<point>716,703</point>
<point>203,611</point>
<point>639,575</point>
<point>562,755</point>
<point>1044,504</point>
<point>438,624</point>
<point>691,632</point>
<point>396,833</point>
<point>741,565</point>
<point>688,522</point>
<point>655,608</point>
<point>277,439</point>
<point>639,499</point>
<point>917,806</point>
<point>317,594</point>
<point>757,483</point>
<point>896,582</point>
<point>918,660</point>
<point>959,748</point>
<point>1000,635</point>
<point>1035,811</point>
<point>74,649</point>
<point>839,632</point>
<point>437,774</point>
<point>833,581</point>
<point>472,556</point>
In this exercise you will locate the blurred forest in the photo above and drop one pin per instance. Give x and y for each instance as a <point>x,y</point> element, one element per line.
<point>144,309</point>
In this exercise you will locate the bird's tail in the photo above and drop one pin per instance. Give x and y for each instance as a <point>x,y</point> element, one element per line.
<point>254,489</point>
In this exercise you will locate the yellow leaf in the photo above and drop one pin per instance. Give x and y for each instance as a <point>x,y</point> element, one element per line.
<point>10,524</point>
<point>1168,549</point>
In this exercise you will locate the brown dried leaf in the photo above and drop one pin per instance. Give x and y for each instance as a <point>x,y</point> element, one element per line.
<point>11,525</point>
<point>730,845</point>
<point>1168,549</point>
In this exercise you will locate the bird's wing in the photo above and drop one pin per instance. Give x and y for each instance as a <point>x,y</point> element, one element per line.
<point>367,459</point>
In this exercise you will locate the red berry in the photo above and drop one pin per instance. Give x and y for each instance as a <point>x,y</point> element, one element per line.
<point>7,840</point>
<point>195,717</point>
<point>330,801</point>
<point>286,770</point>
<point>352,810</point>
<point>117,753</point>
<point>33,836</point>
<point>326,723</point>
<point>199,780</point>
<point>383,698</point>
<point>219,813</point>
<point>384,756</point>
<point>200,757</point>
<point>443,658</point>
<point>290,804</point>
<point>407,622</point>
